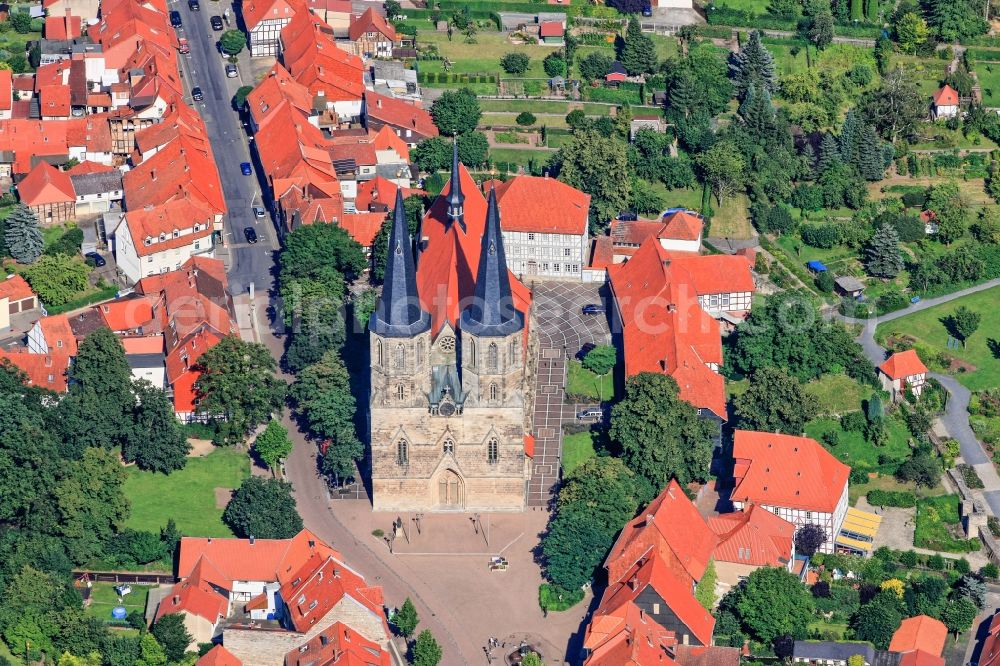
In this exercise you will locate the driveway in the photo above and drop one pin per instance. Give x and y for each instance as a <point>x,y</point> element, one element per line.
<point>562,330</point>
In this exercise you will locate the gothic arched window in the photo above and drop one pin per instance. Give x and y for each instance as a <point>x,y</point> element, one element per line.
<point>472,352</point>
<point>400,392</point>
<point>402,452</point>
<point>420,353</point>
<point>378,353</point>
<point>449,446</point>
<point>493,451</point>
<point>512,352</point>
<point>400,357</point>
<point>492,357</point>
<point>494,392</point>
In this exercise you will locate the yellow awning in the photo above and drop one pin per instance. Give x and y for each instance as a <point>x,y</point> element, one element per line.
<point>861,522</point>
<point>854,544</point>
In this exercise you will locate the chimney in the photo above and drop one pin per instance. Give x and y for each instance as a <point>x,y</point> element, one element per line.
<point>378,103</point>
<point>177,599</point>
<point>649,519</point>
<point>152,174</point>
<point>672,307</point>
<point>209,539</point>
<point>252,539</point>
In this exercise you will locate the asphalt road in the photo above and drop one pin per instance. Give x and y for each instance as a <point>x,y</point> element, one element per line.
<point>204,67</point>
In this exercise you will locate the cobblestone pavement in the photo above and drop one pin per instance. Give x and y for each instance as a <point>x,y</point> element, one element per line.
<point>563,329</point>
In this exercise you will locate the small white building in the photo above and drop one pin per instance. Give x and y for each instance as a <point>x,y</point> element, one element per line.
<point>794,478</point>
<point>157,239</point>
<point>97,191</point>
<point>903,370</point>
<point>945,102</point>
<point>264,20</point>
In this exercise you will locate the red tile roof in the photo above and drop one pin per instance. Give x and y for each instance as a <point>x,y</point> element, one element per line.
<point>542,205</point>
<point>921,658</point>
<point>311,55</point>
<point>363,227</point>
<point>787,471</point>
<point>628,637</point>
<point>903,364</point>
<point>62,27</point>
<point>704,655</point>
<point>276,89</point>
<point>32,139</point>
<point>159,222</point>
<point>46,184</point>
<point>920,632</point>
<point>382,191</point>
<point>946,96</point>
<point>386,139</point>
<point>338,645</point>
<point>58,334</point>
<point>86,166</point>
<point>450,260</point>
<point>15,288</point>
<point>990,654</point>
<point>682,225</point>
<point>256,11</point>
<point>198,594</point>
<point>146,344</point>
<point>754,536</point>
<point>126,314</point>
<point>371,21</point>
<point>43,370</point>
<point>551,29</point>
<point>218,656</point>
<point>55,101</point>
<point>399,114</point>
<point>6,89</point>
<point>716,273</point>
<point>671,527</point>
<point>320,584</point>
<point>263,560</point>
<point>664,328</point>
<point>184,168</point>
<point>126,23</point>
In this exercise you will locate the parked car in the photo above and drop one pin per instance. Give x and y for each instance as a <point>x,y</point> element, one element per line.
<point>245,168</point>
<point>647,11</point>
<point>95,260</point>
<point>593,308</point>
<point>231,71</point>
<point>251,234</point>
<point>183,46</point>
<point>216,22</point>
<point>196,94</point>
<point>584,350</point>
<point>175,18</point>
<point>194,6</point>
<point>259,211</point>
<point>590,413</point>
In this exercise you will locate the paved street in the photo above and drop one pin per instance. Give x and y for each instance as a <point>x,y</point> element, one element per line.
<point>205,67</point>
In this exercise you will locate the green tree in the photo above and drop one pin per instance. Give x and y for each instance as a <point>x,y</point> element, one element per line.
<point>820,29</point>
<point>857,10</point>
<point>90,504</point>
<point>432,154</point>
<point>171,633</point>
<point>753,66</point>
<point>956,19</point>
<point>530,659</point>
<point>152,436</point>
<point>774,603</point>
<point>406,618</point>
<point>312,248</point>
<point>576,118</point>
<point>393,9</point>
<point>425,650</point>
<point>809,539</point>
<point>661,436</point>
<point>723,169</point>
<point>473,149</point>
<point>963,323</point>
<point>959,615</point>
<point>237,388</point>
<point>638,55</point>
<point>878,620</point>
<point>595,163</point>
<point>273,444</point>
<point>456,112</point>
<point>240,98</point>
<point>595,66</point>
<point>604,489</point>
<point>232,42</point>
<point>555,64</point>
<point>263,508</point>
<point>573,546</point>
<point>896,108</point>
<point>883,54</point>
<point>57,279</point>
<point>151,653</point>
<point>704,591</point>
<point>951,211</point>
<point>21,22</point>
<point>601,359</point>
<point>775,402</point>
<point>829,153</point>
<point>525,119</point>
<point>882,257</point>
<point>515,63</point>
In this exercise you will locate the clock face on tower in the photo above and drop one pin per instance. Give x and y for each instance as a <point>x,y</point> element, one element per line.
<point>447,343</point>
<point>446,409</point>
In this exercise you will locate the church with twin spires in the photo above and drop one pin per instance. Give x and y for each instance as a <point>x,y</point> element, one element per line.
<point>452,362</point>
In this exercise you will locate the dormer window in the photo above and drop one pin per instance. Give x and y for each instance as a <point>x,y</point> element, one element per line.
<point>163,237</point>
<point>147,241</point>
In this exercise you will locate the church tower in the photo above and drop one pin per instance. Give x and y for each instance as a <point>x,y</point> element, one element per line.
<point>399,327</point>
<point>492,345</point>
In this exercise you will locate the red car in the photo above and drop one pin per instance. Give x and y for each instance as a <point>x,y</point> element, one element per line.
<point>183,46</point>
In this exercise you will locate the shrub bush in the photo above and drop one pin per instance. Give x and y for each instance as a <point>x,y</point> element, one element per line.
<point>893,498</point>
<point>525,119</point>
<point>820,235</point>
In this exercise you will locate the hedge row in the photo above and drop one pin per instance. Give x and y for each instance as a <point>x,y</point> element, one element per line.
<point>894,498</point>
<point>746,19</point>
<point>446,77</point>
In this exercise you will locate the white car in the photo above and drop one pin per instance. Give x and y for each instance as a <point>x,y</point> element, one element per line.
<point>231,71</point>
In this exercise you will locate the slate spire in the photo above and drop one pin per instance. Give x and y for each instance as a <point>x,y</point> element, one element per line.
<point>492,313</point>
<point>399,314</point>
<point>456,200</point>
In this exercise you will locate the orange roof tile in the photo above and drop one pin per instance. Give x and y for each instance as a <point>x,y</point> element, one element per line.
<point>990,654</point>
<point>787,471</point>
<point>62,27</point>
<point>319,585</point>
<point>371,21</point>
<point>920,658</point>
<point>946,96</point>
<point>126,314</point>
<point>628,637</point>
<point>264,560</point>
<point>277,88</point>
<point>6,89</point>
<point>157,224</point>
<point>338,645</point>
<point>198,594</point>
<point>146,344</point>
<point>45,184</point>
<point>58,334</point>
<point>716,273</point>
<point>312,56</point>
<point>55,101</point>
<point>399,114</point>
<point>681,225</point>
<point>903,364</point>
<point>363,227</point>
<point>754,536</point>
<point>46,371</point>
<point>15,288</point>
<point>382,191</point>
<point>920,632</point>
<point>87,166</point>
<point>542,205</point>
<point>551,29</point>
<point>183,168</point>
<point>707,655</point>
<point>664,328</point>
<point>671,523</point>
<point>218,656</point>
<point>386,139</point>
<point>256,11</point>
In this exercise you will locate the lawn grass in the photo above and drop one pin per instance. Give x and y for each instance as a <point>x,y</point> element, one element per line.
<point>932,336</point>
<point>689,197</point>
<point>103,598</point>
<point>577,449</point>
<point>937,517</point>
<point>755,6</point>
<point>543,106</point>
<point>496,119</point>
<point>520,155</point>
<point>989,79</point>
<point>889,483</point>
<point>583,383</point>
<point>836,630</point>
<point>483,56</point>
<point>837,394</point>
<point>853,450</point>
<point>187,496</point>
<point>730,219</point>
